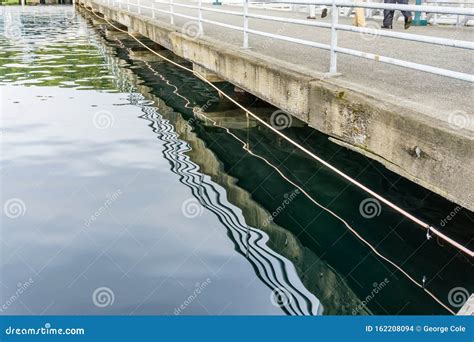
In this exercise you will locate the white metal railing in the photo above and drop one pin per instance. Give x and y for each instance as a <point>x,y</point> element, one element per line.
<point>334,27</point>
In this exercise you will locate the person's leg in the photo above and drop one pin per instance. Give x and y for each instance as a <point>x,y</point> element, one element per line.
<point>324,12</point>
<point>406,14</point>
<point>359,16</point>
<point>388,15</point>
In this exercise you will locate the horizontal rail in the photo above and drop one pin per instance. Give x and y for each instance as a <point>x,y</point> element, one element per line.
<point>334,28</point>
<point>406,64</point>
<point>463,44</point>
<point>398,35</point>
<point>372,5</point>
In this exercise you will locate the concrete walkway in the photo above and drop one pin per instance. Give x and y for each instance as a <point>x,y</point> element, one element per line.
<point>433,95</point>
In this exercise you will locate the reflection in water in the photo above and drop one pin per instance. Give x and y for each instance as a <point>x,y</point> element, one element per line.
<point>273,269</point>
<point>324,281</point>
<point>320,286</point>
<point>305,255</point>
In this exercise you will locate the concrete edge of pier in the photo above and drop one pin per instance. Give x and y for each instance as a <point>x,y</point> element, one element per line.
<point>468,307</point>
<point>399,134</point>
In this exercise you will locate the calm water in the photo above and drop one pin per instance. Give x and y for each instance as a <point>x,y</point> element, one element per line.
<point>126,190</point>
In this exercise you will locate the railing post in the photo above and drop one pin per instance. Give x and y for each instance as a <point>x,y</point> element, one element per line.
<point>153,14</point>
<point>200,17</point>
<point>246,24</point>
<point>335,18</point>
<point>139,7</point>
<point>128,5</point>
<point>312,12</point>
<point>171,13</point>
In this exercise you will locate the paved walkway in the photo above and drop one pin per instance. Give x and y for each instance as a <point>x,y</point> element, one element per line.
<point>433,95</point>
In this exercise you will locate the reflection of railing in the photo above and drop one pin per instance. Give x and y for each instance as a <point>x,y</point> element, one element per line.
<point>334,26</point>
<point>274,270</point>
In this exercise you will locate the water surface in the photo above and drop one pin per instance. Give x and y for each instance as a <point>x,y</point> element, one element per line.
<point>131,176</point>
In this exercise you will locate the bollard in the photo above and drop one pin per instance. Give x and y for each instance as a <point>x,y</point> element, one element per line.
<point>418,21</point>
<point>312,12</point>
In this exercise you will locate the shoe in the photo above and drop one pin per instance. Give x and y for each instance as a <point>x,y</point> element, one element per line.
<point>324,13</point>
<point>386,27</point>
<point>408,22</point>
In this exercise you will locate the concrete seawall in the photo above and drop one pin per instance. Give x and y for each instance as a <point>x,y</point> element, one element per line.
<point>422,148</point>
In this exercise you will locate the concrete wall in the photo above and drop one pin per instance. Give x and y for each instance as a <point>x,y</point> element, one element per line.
<point>423,149</point>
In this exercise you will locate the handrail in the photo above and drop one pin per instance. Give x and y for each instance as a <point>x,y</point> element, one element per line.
<point>373,5</point>
<point>334,26</point>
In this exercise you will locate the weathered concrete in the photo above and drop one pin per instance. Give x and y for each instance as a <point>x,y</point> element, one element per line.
<point>423,148</point>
